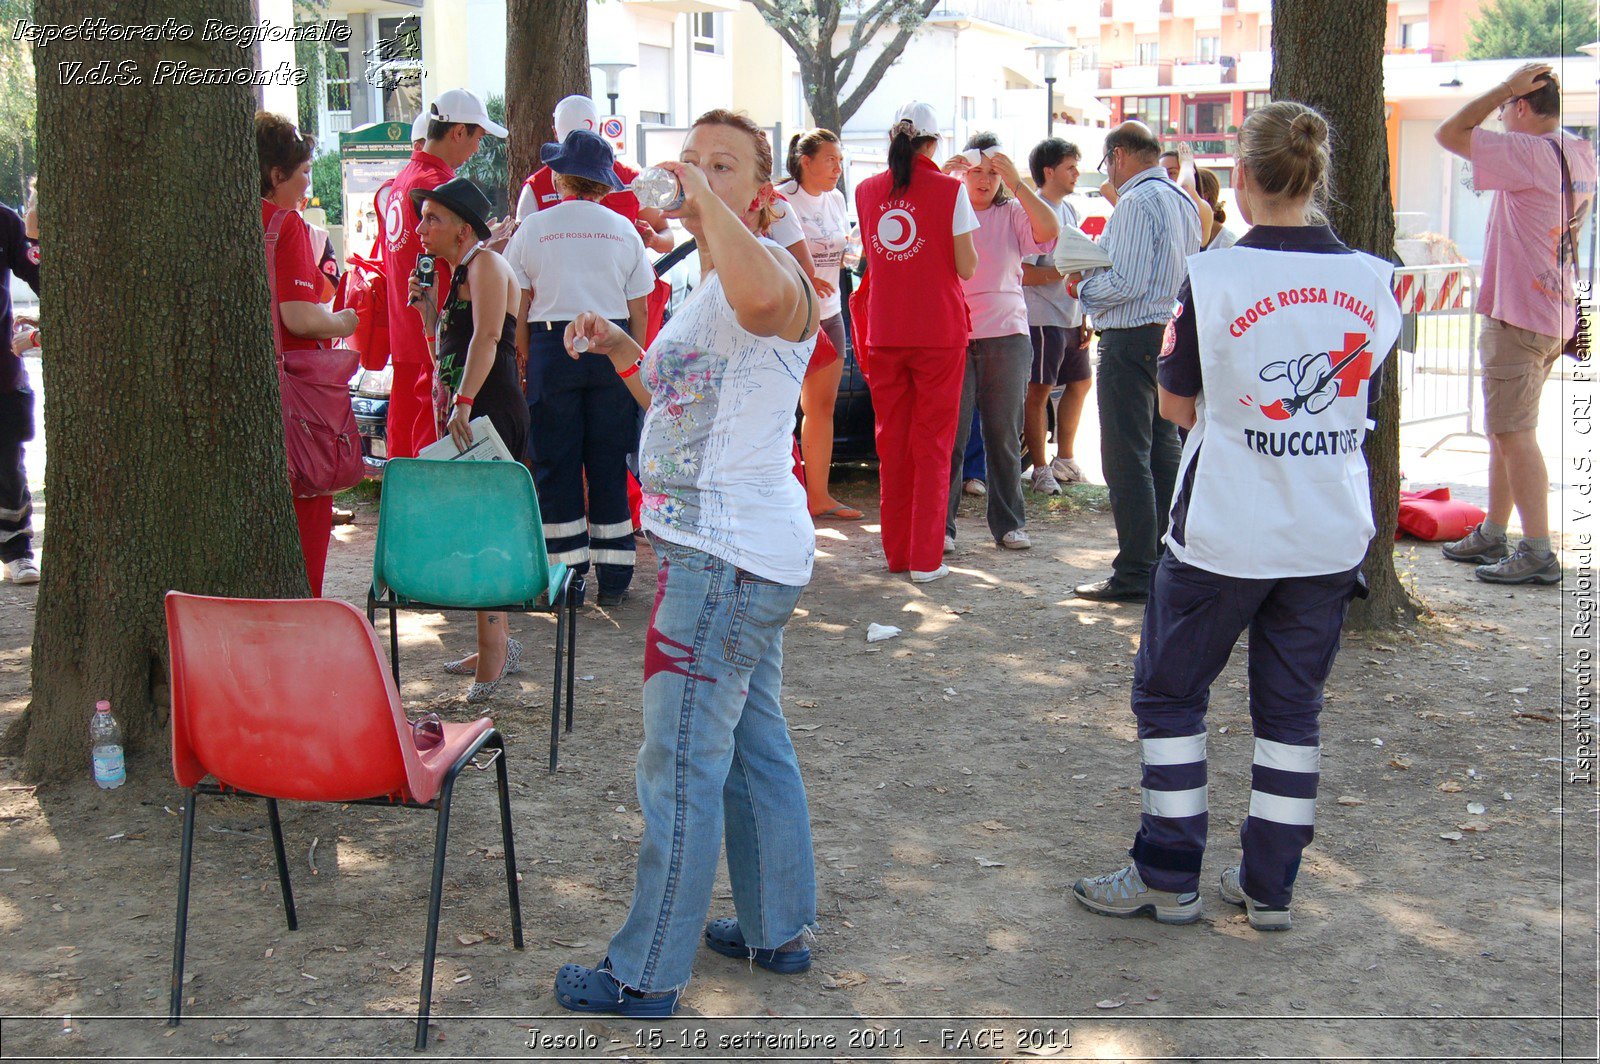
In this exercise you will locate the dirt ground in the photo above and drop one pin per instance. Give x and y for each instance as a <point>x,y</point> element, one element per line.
<point>961,776</point>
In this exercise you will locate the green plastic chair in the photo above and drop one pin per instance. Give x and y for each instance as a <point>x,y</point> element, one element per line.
<point>468,536</point>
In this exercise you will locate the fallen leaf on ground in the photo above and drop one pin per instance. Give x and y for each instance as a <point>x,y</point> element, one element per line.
<point>843,980</point>
<point>471,938</point>
<point>1350,799</point>
<point>568,945</point>
<point>993,825</point>
<point>805,703</point>
<point>1450,787</point>
<point>1111,1003</point>
<point>1451,836</point>
<point>984,862</point>
<point>1399,762</point>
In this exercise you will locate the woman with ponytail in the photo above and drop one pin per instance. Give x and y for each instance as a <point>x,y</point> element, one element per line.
<point>916,235</point>
<point>1268,528</point>
<point>816,204</point>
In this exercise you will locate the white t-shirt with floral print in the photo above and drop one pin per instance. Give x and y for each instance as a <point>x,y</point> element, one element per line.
<point>717,454</point>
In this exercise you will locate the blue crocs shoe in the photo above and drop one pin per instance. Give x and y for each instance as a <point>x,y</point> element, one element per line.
<point>597,990</point>
<point>724,937</point>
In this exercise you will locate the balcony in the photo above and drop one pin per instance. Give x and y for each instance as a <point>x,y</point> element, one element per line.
<point>1126,76</point>
<point>1412,57</point>
<point>1203,73</point>
<point>1254,68</point>
<point>689,7</point>
<point>1042,21</point>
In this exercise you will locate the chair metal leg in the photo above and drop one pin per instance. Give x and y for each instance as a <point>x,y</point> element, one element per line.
<point>394,645</point>
<point>283,863</point>
<point>512,889</point>
<point>555,689</point>
<point>431,944</point>
<point>185,862</point>
<point>572,649</point>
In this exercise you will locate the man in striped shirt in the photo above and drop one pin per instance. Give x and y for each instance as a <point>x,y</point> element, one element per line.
<point>1153,230</point>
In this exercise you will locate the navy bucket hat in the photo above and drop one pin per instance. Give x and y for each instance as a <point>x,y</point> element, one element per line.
<point>583,154</point>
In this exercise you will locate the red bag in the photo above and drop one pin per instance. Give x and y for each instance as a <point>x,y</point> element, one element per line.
<point>1433,516</point>
<point>319,427</point>
<point>363,289</point>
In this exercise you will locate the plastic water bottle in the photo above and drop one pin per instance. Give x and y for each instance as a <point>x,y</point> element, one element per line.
<point>105,737</point>
<point>658,189</point>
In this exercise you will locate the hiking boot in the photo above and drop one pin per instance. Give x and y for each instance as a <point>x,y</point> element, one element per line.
<point>1044,482</point>
<point>1477,547</point>
<point>1066,471</point>
<point>1262,917</point>
<point>1523,566</point>
<point>1123,893</point>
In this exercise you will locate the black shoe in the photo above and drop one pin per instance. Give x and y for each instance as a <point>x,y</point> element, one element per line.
<point>611,598</point>
<point>1109,590</point>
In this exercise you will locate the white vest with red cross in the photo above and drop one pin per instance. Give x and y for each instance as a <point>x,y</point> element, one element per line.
<point>1273,482</point>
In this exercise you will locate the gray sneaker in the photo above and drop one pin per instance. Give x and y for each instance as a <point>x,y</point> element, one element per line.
<point>1477,547</point>
<point>1523,567</point>
<point>1123,893</point>
<point>1262,917</point>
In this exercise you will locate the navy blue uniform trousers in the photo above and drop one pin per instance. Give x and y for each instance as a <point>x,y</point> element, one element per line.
<point>1193,619</point>
<point>582,427</point>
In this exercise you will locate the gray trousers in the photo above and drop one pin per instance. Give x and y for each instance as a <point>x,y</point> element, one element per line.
<point>996,382</point>
<point>1139,448</point>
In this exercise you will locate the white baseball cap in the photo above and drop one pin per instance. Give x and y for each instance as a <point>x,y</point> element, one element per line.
<point>573,113</point>
<point>419,127</point>
<point>924,120</point>
<point>460,105</point>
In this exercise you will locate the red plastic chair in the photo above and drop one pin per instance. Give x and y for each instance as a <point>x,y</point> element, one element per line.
<point>291,700</point>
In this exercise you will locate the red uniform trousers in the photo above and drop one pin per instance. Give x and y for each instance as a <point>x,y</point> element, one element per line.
<point>916,395</point>
<point>314,515</point>
<point>411,421</point>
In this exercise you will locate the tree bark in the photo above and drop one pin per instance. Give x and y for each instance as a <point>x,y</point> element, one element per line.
<point>547,59</point>
<point>1328,54</point>
<point>167,465</point>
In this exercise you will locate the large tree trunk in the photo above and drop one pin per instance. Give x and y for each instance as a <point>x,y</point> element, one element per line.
<point>166,466</point>
<point>1328,54</point>
<point>547,59</point>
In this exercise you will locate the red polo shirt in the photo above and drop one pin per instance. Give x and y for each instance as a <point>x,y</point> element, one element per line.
<point>294,270</point>
<point>401,246</point>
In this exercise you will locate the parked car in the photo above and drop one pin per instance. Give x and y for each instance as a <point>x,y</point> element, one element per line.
<point>852,413</point>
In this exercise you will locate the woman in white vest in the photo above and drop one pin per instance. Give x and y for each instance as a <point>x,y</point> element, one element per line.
<point>1271,365</point>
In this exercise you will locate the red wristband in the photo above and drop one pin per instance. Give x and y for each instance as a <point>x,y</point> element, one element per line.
<point>462,400</point>
<point>631,370</point>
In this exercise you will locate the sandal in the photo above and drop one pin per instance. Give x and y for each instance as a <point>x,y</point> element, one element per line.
<point>484,690</point>
<point>597,990</point>
<point>723,936</point>
<point>468,666</point>
<point>838,513</point>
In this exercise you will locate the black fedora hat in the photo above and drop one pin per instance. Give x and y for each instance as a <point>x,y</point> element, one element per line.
<point>462,198</point>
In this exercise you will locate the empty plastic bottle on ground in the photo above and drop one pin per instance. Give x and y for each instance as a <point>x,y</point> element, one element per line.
<point>105,738</point>
<point>658,189</point>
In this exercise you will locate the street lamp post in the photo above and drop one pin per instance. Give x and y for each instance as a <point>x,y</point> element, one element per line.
<point>613,72</point>
<point>1047,55</point>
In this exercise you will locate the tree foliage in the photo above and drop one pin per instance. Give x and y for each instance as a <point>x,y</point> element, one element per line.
<point>1530,29</point>
<point>489,166</point>
<point>18,102</point>
<point>810,29</point>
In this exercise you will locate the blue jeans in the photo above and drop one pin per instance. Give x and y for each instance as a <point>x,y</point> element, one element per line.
<point>716,761</point>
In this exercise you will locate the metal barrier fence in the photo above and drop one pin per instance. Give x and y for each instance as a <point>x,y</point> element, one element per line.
<point>1438,347</point>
